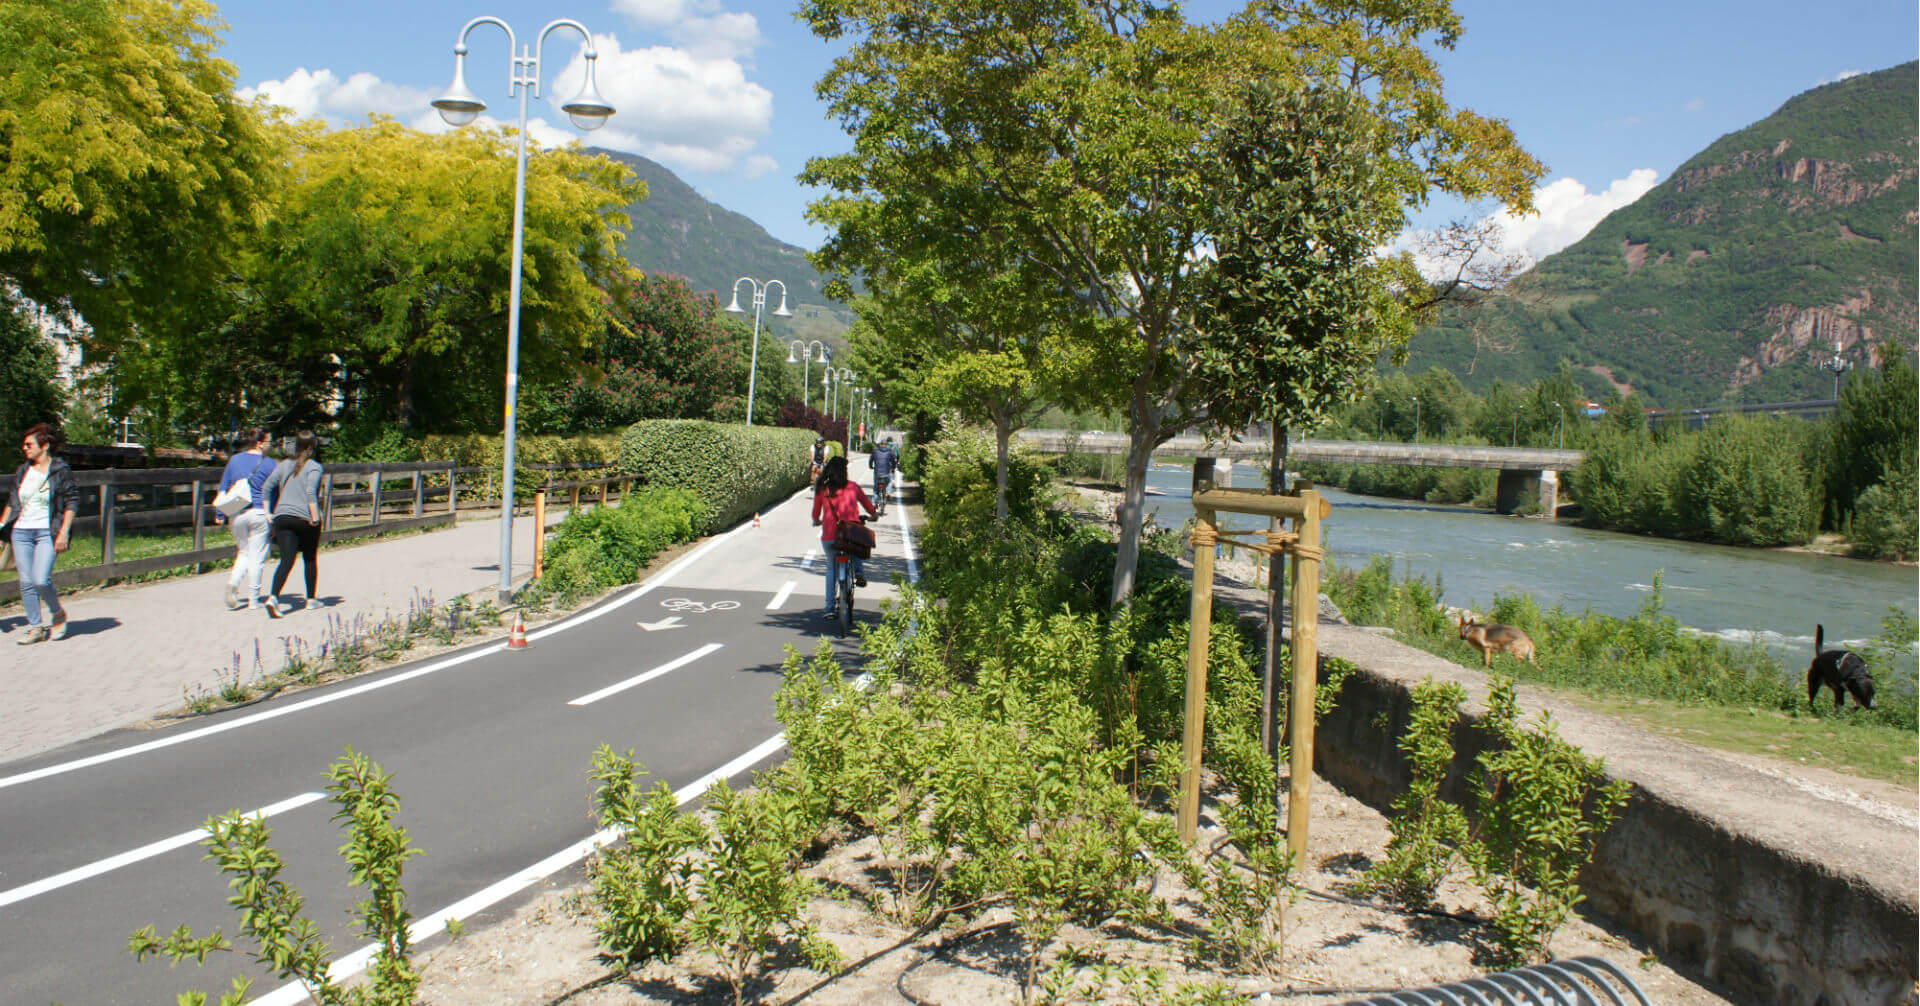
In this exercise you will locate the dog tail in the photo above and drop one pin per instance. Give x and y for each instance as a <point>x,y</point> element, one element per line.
<point>1819,638</point>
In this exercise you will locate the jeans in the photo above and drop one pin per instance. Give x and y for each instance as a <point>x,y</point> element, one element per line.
<point>880,484</point>
<point>834,567</point>
<point>301,537</point>
<point>250,528</point>
<point>33,553</point>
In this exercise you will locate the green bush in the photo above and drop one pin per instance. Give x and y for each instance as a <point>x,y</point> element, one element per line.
<point>1885,516</point>
<point>593,550</point>
<point>735,470</point>
<point>1746,484</point>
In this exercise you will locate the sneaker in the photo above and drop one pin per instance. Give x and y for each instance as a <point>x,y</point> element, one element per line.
<point>59,630</point>
<point>34,635</point>
<point>273,608</point>
<point>233,597</point>
<point>860,581</point>
<point>828,614</point>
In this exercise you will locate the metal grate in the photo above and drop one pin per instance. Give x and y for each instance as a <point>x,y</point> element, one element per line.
<point>1576,981</point>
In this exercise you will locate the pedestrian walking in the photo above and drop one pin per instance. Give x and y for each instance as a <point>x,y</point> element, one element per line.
<point>252,525</point>
<point>294,488</point>
<point>41,509</point>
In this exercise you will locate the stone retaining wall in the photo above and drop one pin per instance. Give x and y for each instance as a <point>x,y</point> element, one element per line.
<point>1779,893</point>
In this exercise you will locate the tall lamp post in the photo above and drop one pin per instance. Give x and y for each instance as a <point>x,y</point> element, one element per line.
<point>1515,440</point>
<point>826,390</point>
<point>805,361</point>
<point>1560,427</point>
<point>460,106</point>
<point>759,301</point>
<point>1416,419</point>
<point>1839,365</point>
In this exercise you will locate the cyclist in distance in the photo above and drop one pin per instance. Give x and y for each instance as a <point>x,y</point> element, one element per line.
<point>818,460</point>
<point>884,461</point>
<point>839,499</point>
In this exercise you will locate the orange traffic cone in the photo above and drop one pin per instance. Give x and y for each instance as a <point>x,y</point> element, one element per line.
<point>756,518</point>
<point>517,638</point>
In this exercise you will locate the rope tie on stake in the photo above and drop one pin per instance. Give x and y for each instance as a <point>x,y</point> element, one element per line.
<point>1203,537</point>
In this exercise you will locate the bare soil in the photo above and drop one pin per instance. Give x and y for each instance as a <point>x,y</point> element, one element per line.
<point>1338,946</point>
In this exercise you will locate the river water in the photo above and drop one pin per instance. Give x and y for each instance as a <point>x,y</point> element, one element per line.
<point>1738,594</point>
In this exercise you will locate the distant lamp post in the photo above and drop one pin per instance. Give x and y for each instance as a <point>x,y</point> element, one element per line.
<point>1416,419</point>
<point>1560,427</point>
<point>1839,365</point>
<point>460,106</point>
<point>759,301</point>
<point>805,361</point>
<point>843,381</point>
<point>826,390</point>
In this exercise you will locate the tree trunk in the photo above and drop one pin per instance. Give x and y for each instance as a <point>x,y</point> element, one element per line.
<point>1002,433</point>
<point>1140,444</point>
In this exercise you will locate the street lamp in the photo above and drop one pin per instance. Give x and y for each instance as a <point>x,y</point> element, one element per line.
<point>826,390</point>
<point>759,301</point>
<point>805,361</point>
<point>842,381</point>
<point>1416,419</point>
<point>1515,441</point>
<point>1839,365</point>
<point>459,106</point>
<point>1560,428</point>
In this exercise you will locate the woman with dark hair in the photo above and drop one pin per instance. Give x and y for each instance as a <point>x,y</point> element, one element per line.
<point>44,498</point>
<point>294,487</point>
<point>838,499</point>
<point>252,525</point>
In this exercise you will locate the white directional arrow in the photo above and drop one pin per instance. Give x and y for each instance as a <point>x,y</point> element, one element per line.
<point>669,622</point>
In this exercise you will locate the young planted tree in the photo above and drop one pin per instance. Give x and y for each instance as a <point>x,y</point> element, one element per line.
<point>1068,130</point>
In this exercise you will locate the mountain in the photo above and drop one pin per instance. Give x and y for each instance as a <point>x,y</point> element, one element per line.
<point>679,232</point>
<point>1732,278</point>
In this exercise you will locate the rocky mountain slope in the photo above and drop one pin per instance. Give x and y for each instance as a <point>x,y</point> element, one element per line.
<point>1733,277</point>
<point>679,232</point>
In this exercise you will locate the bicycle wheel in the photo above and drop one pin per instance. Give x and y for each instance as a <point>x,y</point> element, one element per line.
<point>845,604</point>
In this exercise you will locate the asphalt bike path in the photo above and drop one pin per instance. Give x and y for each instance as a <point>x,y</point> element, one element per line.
<point>490,750</point>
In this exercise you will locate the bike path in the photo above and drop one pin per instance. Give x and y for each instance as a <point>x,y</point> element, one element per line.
<point>490,751</point>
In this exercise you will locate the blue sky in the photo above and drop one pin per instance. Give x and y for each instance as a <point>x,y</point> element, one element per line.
<point>1611,96</point>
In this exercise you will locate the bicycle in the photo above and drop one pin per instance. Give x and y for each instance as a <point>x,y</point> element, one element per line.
<point>843,598</point>
<point>880,492</point>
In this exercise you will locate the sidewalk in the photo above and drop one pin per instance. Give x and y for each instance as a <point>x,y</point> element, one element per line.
<point>134,652</point>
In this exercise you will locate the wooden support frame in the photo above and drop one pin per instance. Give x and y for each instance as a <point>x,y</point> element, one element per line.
<point>1305,508</point>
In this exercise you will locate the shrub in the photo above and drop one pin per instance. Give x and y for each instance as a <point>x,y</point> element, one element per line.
<point>735,470</point>
<point>1746,484</point>
<point>1427,831</point>
<point>1886,515</point>
<point>487,452</point>
<point>593,550</point>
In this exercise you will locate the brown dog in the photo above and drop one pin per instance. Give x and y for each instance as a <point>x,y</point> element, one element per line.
<point>1490,638</point>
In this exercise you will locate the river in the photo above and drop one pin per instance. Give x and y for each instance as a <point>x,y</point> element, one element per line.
<point>1737,594</point>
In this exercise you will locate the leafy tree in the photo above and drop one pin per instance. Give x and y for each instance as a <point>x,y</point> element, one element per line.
<point>1069,128</point>
<point>27,391</point>
<point>130,173</point>
<point>1877,429</point>
<point>386,268</point>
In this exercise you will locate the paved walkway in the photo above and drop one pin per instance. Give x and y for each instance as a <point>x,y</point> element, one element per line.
<point>134,652</point>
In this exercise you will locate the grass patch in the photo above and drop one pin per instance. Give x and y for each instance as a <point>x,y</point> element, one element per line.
<point>1868,750</point>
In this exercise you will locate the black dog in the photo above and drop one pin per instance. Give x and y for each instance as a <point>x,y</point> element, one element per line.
<point>1841,670</point>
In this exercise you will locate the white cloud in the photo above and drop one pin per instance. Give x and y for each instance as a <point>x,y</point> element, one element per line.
<point>689,111</point>
<point>322,95</point>
<point>704,27</point>
<point>1564,211</point>
<point>1696,104</point>
<point>1836,78</point>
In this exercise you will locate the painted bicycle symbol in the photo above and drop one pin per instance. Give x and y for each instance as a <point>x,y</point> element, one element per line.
<point>693,607</point>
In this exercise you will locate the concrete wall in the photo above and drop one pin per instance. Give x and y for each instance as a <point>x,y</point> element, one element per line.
<point>1780,892</point>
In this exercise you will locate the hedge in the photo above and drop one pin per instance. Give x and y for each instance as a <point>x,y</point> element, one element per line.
<point>472,449</point>
<point>602,547</point>
<point>735,469</point>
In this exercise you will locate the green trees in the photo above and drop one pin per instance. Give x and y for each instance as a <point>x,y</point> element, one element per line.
<point>1081,138</point>
<point>27,392</point>
<point>131,174</point>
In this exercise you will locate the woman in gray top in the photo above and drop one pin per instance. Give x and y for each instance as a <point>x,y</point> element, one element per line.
<point>294,487</point>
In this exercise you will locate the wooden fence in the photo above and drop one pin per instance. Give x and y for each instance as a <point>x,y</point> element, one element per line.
<point>356,500</point>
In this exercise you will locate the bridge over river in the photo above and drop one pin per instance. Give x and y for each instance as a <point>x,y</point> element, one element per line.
<point>1525,472</point>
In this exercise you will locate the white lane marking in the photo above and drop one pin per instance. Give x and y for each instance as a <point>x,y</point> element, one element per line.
<point>148,851</point>
<point>293,993</point>
<point>786,590</point>
<point>669,622</point>
<point>906,538</point>
<point>548,630</point>
<point>641,679</point>
<point>812,554</point>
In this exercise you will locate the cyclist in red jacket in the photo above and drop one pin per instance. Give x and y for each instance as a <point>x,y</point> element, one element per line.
<point>839,499</point>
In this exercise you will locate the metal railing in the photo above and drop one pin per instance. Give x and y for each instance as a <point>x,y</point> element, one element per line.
<point>357,500</point>
<point>1575,981</point>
